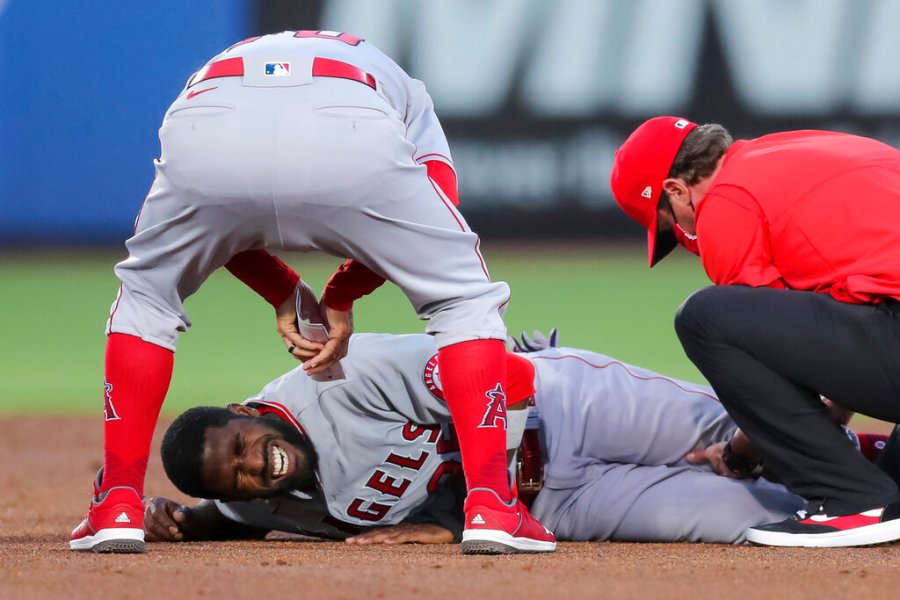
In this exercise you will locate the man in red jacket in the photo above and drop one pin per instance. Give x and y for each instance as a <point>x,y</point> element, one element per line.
<point>800,232</point>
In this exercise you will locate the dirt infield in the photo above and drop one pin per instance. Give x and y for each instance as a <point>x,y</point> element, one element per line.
<point>49,462</point>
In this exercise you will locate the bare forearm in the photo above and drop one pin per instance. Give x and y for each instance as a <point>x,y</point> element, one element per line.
<point>168,521</point>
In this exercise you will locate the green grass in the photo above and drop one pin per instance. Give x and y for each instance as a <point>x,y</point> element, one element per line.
<point>53,307</point>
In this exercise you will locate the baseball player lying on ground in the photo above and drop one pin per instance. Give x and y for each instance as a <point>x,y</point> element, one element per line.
<point>342,460</point>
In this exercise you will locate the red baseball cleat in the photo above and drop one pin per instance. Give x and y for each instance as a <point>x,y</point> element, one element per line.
<point>494,527</point>
<point>114,523</point>
<point>820,530</point>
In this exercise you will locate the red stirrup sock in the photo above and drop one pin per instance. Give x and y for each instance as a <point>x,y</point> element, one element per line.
<point>137,379</point>
<point>473,376</point>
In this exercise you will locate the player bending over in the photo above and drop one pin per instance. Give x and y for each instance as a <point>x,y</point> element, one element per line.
<point>336,460</point>
<point>299,141</point>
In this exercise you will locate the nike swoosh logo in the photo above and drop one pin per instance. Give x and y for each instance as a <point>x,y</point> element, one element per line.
<point>198,92</point>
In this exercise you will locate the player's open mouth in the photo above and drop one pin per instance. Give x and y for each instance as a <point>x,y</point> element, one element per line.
<point>279,461</point>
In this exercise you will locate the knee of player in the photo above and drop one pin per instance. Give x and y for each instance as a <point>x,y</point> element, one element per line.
<point>498,292</point>
<point>693,317</point>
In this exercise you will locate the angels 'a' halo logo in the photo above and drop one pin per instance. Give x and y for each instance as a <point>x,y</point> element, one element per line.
<point>432,377</point>
<point>109,409</point>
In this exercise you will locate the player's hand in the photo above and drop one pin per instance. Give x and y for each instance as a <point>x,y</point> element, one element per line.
<point>166,521</point>
<point>286,324</point>
<point>404,533</point>
<point>340,327</point>
<point>713,457</point>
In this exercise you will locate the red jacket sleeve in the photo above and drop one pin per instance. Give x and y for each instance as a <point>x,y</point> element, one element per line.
<point>350,282</point>
<point>265,274</point>
<point>734,240</point>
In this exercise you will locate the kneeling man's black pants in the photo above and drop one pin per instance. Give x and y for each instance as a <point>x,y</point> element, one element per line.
<point>770,354</point>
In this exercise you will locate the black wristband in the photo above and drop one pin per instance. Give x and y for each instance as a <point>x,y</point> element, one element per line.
<point>739,464</point>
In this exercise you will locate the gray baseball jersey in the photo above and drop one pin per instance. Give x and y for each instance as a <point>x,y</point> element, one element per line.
<point>615,437</point>
<point>304,141</point>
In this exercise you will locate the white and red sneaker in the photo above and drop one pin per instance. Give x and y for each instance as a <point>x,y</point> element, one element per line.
<point>494,527</point>
<point>820,530</point>
<point>114,523</point>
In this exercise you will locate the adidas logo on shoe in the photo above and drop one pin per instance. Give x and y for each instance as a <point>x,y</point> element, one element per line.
<point>113,523</point>
<point>495,526</point>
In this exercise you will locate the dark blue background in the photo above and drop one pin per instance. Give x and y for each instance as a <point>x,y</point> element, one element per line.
<point>83,88</point>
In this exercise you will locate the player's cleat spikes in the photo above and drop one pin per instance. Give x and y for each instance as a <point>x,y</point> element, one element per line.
<point>820,530</point>
<point>114,523</point>
<point>493,527</point>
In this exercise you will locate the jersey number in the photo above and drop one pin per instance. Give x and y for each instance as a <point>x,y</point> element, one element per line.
<point>351,40</point>
<point>330,35</point>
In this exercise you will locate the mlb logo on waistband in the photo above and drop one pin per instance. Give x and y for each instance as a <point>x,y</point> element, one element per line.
<point>278,69</point>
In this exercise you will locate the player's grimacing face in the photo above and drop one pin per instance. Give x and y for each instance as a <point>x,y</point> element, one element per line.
<point>253,457</point>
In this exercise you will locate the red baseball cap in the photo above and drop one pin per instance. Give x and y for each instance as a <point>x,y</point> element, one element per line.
<point>641,165</point>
